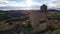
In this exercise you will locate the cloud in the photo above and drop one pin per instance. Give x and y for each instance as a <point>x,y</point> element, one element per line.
<point>29,4</point>
<point>49,3</point>
<point>2,0</point>
<point>11,3</point>
<point>16,4</point>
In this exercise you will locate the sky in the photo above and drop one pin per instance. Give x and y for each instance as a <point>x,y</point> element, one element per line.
<point>28,4</point>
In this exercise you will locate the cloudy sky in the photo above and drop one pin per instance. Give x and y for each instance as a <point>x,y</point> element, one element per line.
<point>28,4</point>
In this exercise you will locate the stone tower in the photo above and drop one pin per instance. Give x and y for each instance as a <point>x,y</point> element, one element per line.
<point>43,12</point>
<point>43,8</point>
<point>43,15</point>
<point>37,17</point>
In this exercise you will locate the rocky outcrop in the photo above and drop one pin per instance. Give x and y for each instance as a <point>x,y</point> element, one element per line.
<point>57,31</point>
<point>41,27</point>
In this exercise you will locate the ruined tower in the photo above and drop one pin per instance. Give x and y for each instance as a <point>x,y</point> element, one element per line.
<point>37,17</point>
<point>43,8</point>
<point>43,12</point>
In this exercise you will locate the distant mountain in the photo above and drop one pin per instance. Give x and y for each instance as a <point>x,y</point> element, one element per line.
<point>52,10</point>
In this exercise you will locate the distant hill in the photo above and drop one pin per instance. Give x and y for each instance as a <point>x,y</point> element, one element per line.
<point>28,10</point>
<point>52,10</point>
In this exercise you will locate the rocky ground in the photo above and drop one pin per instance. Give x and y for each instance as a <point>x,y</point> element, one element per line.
<point>41,29</point>
<point>29,30</point>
